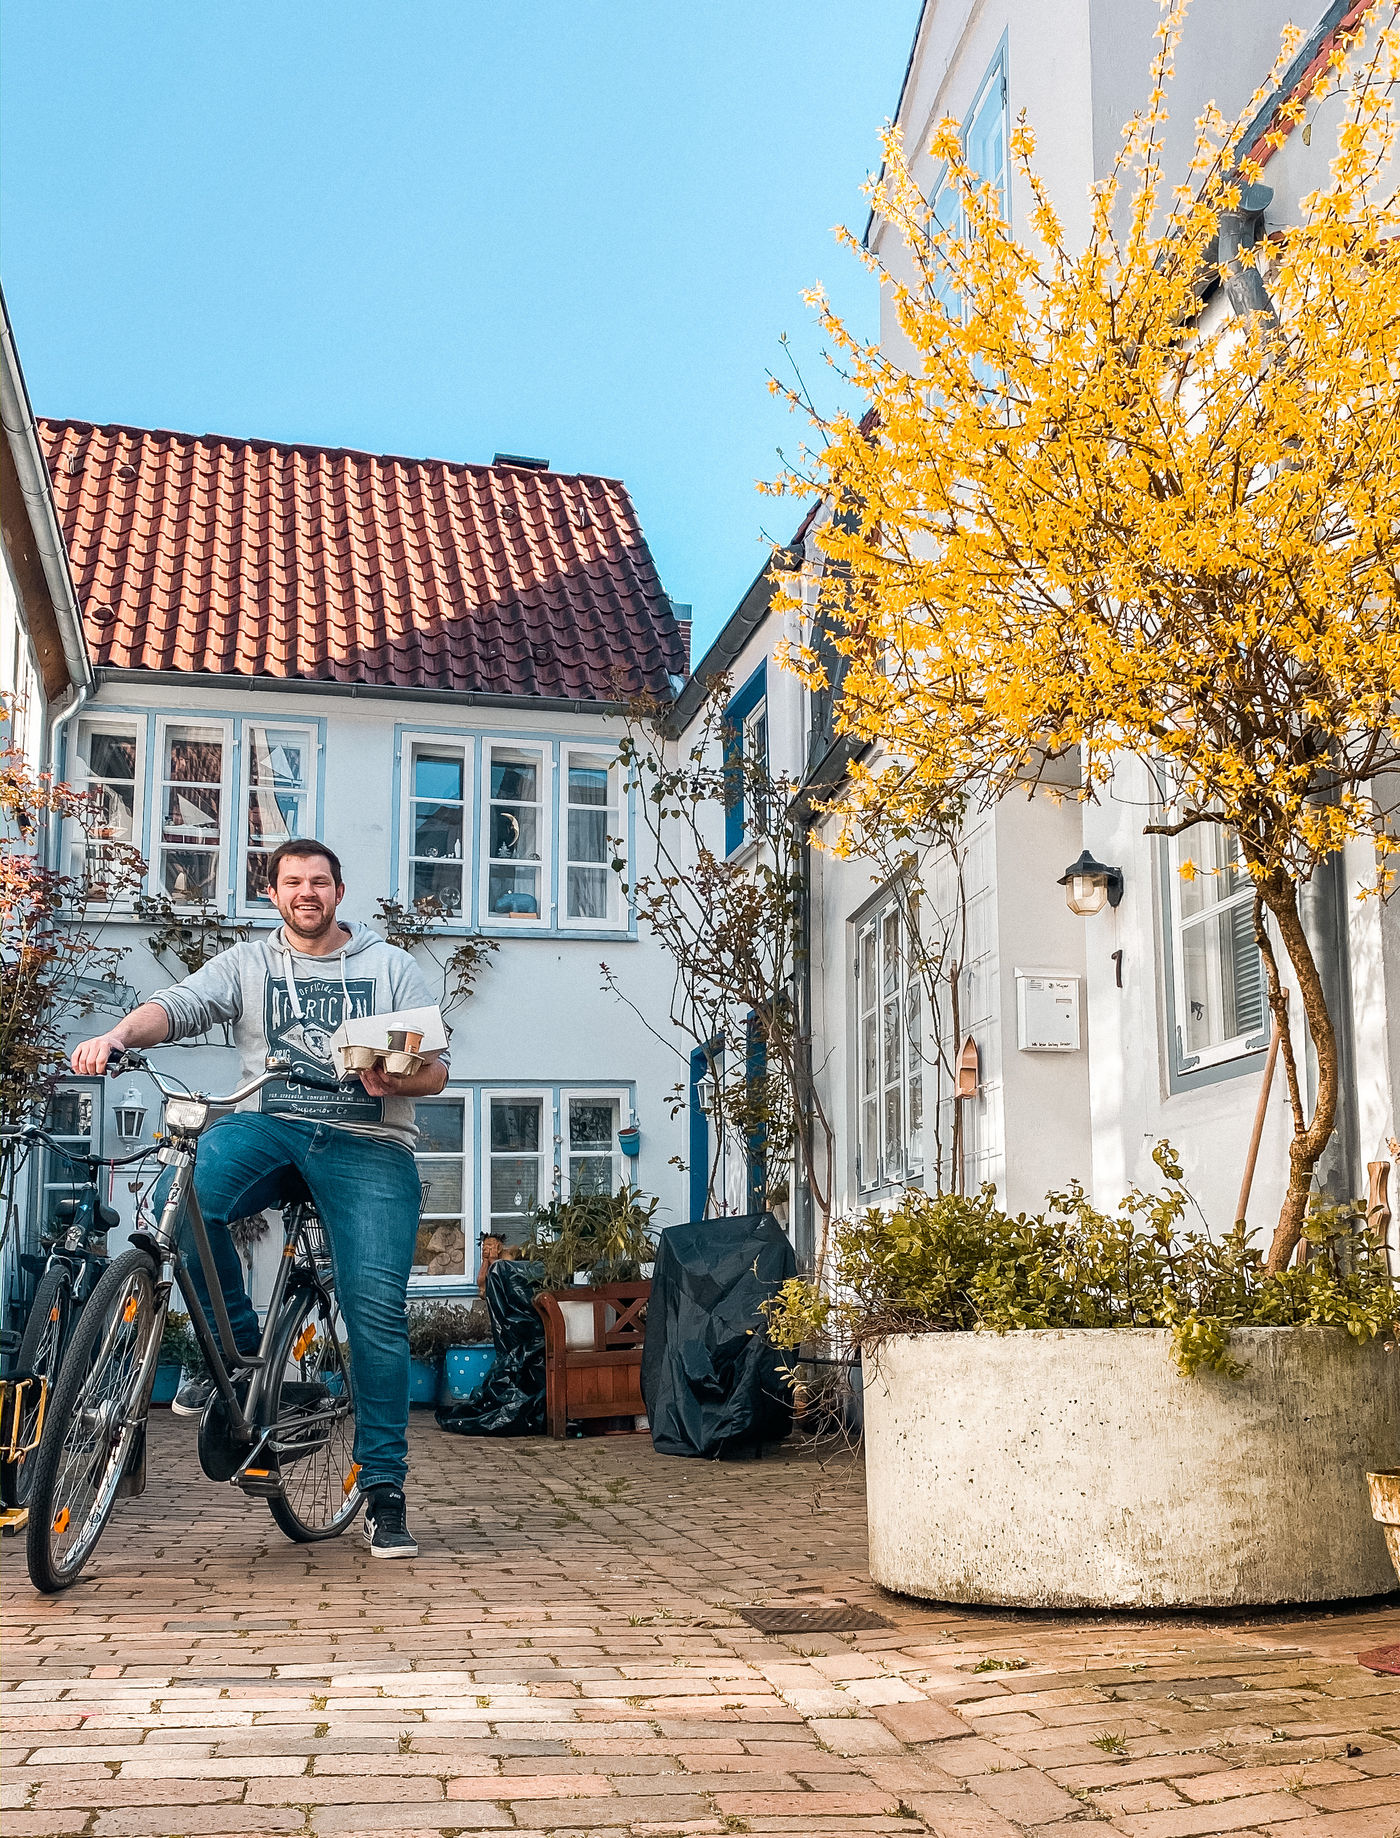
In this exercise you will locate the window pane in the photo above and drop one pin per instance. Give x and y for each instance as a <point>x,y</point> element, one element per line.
<point>1222,978</point>
<point>890,1032</point>
<point>437,775</point>
<point>194,755</point>
<point>591,1122</point>
<point>588,784</point>
<point>916,1122</point>
<point>591,1174</point>
<point>889,967</point>
<point>440,1249</point>
<point>986,140</point>
<point>443,1180</point>
<point>112,756</point>
<point>278,757</point>
<point>190,875</point>
<point>515,833</point>
<point>869,1143</point>
<point>894,1135</point>
<point>514,890</point>
<point>440,881</point>
<point>116,805</point>
<point>515,1123</point>
<point>515,1186</point>
<point>440,1125</point>
<point>588,893</point>
<point>867,968</point>
<point>1220,871</point>
<point>191,815</point>
<point>437,831</point>
<point>70,1115</point>
<point>588,836</point>
<point>514,779</point>
<point>869,1072</point>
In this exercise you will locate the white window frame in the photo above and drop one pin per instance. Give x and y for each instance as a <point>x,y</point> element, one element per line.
<point>614,919</point>
<point>422,1283</point>
<point>912,1070</point>
<point>1185,1059</point>
<point>541,920</point>
<point>75,853</point>
<point>227,800</point>
<point>58,1178</point>
<point>547,1155</point>
<point>994,81</point>
<point>442,743</point>
<point>602,1094</point>
<point>255,906</point>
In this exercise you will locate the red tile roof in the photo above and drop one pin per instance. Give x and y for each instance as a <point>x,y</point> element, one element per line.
<point>248,558</point>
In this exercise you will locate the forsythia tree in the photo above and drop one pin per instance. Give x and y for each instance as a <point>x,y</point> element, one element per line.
<point>1139,498</point>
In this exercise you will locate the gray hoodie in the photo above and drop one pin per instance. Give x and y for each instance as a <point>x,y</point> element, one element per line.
<point>281,1001</point>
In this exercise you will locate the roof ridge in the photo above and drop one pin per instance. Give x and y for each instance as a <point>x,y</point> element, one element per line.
<point>266,443</point>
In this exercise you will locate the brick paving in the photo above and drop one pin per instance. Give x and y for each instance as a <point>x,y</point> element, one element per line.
<point>565,1658</point>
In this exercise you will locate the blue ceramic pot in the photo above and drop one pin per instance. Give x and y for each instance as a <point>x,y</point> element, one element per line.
<point>167,1383</point>
<point>422,1382</point>
<point>630,1142</point>
<point>463,1369</point>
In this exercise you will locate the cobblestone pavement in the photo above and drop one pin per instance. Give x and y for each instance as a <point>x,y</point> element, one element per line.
<point>565,1658</point>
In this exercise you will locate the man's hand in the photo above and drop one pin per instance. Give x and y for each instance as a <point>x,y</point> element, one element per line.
<point>90,1058</point>
<point>146,1026</point>
<point>426,1082</point>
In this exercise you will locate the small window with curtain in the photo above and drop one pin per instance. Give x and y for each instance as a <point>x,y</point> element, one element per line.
<point>516,829</point>
<point>592,891</point>
<point>278,793</point>
<point>889,1009</point>
<point>438,827</point>
<point>110,769</point>
<point>1216,992</point>
<point>193,767</point>
<point>445,1237</point>
<point>520,1175</point>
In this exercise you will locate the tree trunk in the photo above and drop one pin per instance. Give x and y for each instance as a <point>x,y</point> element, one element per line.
<point>1310,1136</point>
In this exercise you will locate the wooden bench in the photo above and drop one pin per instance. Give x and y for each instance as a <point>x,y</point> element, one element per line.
<point>593,1352</point>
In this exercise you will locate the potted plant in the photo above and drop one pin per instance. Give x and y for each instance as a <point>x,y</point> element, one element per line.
<point>1080,1409</point>
<point>428,1336</point>
<point>179,1352</point>
<point>594,1238</point>
<point>468,1353</point>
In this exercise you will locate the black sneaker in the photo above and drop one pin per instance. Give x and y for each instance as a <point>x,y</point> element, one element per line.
<point>192,1395</point>
<point>386,1524</point>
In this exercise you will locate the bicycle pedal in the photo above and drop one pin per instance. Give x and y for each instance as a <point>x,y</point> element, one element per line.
<point>260,1483</point>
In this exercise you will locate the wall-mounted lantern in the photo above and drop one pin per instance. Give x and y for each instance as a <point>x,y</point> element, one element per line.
<point>969,1070</point>
<point>130,1116</point>
<point>1091,885</point>
<point>706,1093</point>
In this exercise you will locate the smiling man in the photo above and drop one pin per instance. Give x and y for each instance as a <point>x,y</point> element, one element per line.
<point>352,1148</point>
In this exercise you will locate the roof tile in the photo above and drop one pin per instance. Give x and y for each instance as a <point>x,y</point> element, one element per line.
<point>250,558</point>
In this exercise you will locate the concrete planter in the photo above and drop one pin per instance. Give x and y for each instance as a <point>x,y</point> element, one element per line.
<point>1081,1469</point>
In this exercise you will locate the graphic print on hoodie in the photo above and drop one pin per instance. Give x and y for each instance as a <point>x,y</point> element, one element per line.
<point>279,999</point>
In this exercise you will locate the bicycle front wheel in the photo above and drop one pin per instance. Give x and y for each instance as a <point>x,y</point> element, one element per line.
<point>40,1351</point>
<point>310,1407</point>
<point>96,1413</point>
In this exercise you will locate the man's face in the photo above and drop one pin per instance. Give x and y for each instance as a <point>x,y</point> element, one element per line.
<point>307,894</point>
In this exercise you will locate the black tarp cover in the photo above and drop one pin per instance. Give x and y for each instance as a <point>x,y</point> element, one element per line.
<point>711,1381</point>
<point>509,1401</point>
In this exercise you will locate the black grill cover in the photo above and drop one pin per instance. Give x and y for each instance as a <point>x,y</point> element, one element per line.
<point>711,1381</point>
<point>509,1401</point>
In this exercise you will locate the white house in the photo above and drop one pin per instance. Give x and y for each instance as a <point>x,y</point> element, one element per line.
<point>422,663</point>
<point>1091,1038</point>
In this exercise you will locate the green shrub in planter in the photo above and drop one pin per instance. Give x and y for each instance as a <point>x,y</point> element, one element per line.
<point>178,1346</point>
<point>433,1327</point>
<point>954,1262</point>
<point>606,1236</point>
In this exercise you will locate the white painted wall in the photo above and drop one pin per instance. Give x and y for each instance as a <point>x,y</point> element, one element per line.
<point>539,1017</point>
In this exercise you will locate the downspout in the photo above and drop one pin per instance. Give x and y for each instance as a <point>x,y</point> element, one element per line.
<point>18,417</point>
<point>1323,903</point>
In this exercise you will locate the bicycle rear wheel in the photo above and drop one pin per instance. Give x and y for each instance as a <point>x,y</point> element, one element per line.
<point>95,1417</point>
<point>40,1351</point>
<point>310,1406</point>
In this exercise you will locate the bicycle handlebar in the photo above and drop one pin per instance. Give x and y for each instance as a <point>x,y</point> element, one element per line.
<point>127,1059</point>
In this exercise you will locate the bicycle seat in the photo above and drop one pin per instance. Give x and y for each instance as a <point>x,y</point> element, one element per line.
<point>108,1218</point>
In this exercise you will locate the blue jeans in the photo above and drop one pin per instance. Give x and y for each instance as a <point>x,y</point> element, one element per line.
<point>367,1194</point>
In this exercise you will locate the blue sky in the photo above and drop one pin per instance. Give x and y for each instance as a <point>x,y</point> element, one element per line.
<point>574,231</point>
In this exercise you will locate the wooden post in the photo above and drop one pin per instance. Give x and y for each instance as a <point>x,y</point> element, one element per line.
<point>1242,1205</point>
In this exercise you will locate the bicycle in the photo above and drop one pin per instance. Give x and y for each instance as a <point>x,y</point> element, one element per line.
<point>280,1424</point>
<point>73,1261</point>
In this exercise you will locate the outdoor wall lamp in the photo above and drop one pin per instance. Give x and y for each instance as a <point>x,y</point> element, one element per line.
<point>130,1116</point>
<point>1091,885</point>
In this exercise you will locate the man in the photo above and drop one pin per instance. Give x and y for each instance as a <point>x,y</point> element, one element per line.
<point>287,993</point>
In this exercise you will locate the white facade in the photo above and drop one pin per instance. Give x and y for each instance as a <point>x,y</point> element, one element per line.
<point>546,1066</point>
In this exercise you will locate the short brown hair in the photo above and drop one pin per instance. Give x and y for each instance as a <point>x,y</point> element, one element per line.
<point>299,847</point>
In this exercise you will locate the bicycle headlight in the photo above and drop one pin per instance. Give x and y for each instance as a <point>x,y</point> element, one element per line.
<point>188,1116</point>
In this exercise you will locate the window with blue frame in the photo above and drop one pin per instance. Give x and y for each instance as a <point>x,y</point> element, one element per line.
<point>728,1172</point>
<point>745,737</point>
<point>985,140</point>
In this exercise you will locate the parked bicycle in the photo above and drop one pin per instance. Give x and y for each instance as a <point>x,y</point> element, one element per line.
<point>280,1424</point>
<point>73,1258</point>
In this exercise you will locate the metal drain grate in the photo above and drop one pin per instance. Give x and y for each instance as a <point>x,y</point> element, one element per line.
<point>792,1618</point>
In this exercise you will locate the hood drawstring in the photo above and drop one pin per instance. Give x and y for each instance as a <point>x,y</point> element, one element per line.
<point>289,977</point>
